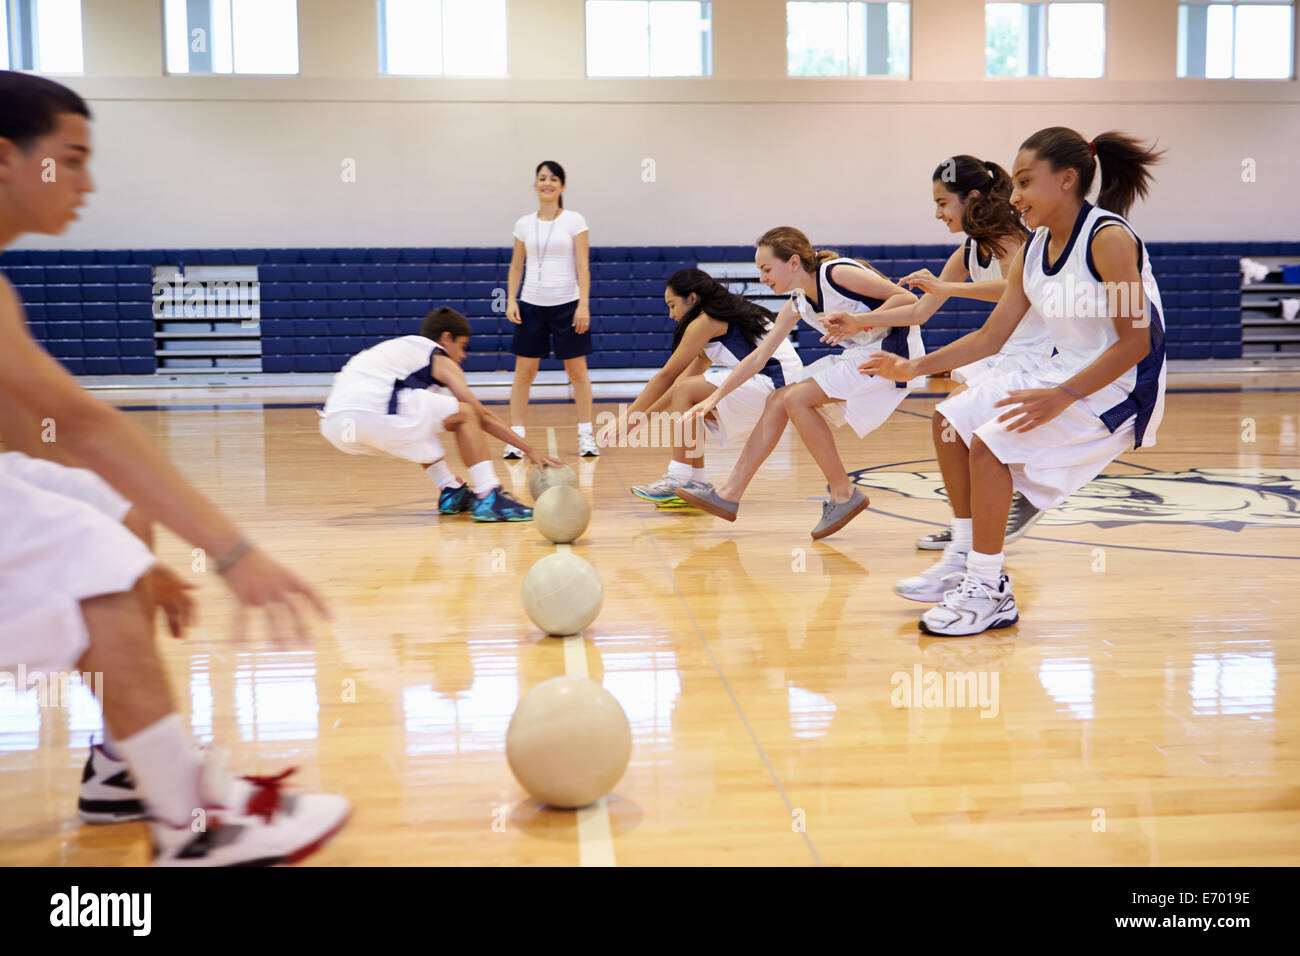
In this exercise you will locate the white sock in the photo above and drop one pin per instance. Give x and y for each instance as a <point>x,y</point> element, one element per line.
<point>679,471</point>
<point>699,474</point>
<point>109,744</point>
<point>961,535</point>
<point>518,430</point>
<point>483,478</point>
<point>442,476</point>
<point>584,428</point>
<point>986,568</point>
<point>166,769</point>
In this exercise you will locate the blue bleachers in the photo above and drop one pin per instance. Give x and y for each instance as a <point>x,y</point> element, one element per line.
<point>93,308</point>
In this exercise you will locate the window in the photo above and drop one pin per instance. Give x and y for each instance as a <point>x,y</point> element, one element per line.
<point>41,35</point>
<point>655,38</point>
<point>442,37</point>
<point>847,39</point>
<point>1243,40</point>
<point>231,36</point>
<point>1045,39</point>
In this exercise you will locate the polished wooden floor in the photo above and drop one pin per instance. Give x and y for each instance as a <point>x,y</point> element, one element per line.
<point>1146,709</point>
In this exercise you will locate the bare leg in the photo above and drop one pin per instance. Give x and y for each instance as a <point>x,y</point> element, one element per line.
<point>761,441</point>
<point>954,462</point>
<point>990,495</point>
<point>580,379</point>
<point>470,438</point>
<point>801,403</point>
<point>135,691</point>
<point>525,372</point>
<point>685,395</point>
<point>142,528</point>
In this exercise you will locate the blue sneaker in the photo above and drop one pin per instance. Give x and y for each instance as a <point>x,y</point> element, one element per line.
<point>496,505</point>
<point>452,501</point>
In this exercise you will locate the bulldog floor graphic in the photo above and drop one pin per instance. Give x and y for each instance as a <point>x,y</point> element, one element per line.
<point>1227,498</point>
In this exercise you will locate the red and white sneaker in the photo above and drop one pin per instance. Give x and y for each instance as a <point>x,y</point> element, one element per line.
<point>108,793</point>
<point>255,823</point>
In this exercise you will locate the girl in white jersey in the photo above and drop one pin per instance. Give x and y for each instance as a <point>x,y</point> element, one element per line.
<point>974,197</point>
<point>1047,432</point>
<point>820,284</point>
<point>714,327</point>
<point>551,312</point>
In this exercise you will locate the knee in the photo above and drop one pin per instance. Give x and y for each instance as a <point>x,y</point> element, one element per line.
<point>981,454</point>
<point>792,397</point>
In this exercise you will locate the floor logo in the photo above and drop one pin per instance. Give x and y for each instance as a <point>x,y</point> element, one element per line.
<point>1228,498</point>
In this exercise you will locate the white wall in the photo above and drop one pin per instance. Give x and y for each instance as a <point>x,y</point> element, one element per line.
<point>244,161</point>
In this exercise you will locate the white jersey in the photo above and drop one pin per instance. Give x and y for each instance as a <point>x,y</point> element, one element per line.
<point>1075,306</point>
<point>729,349</point>
<point>372,380</point>
<point>1030,338</point>
<point>904,340</point>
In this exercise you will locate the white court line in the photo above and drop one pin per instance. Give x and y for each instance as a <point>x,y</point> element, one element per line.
<point>595,841</point>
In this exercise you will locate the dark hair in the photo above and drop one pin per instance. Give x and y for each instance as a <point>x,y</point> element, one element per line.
<point>556,170</point>
<point>443,319</point>
<point>30,105</point>
<point>718,302</point>
<point>787,241</point>
<point>1122,158</point>
<point>989,218</point>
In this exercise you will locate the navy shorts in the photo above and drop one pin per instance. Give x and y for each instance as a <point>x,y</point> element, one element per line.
<point>540,323</point>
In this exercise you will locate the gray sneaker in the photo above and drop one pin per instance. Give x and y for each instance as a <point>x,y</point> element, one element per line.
<point>935,542</point>
<point>662,490</point>
<point>836,515</point>
<point>703,496</point>
<point>1022,515</point>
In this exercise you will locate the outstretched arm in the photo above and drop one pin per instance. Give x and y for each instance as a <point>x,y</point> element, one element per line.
<point>750,365</point>
<point>983,342</point>
<point>106,441</point>
<point>453,376</point>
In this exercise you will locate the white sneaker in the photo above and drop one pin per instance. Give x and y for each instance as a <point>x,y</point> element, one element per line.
<point>587,446</point>
<point>255,823</point>
<point>971,608</point>
<point>512,453</point>
<point>935,581</point>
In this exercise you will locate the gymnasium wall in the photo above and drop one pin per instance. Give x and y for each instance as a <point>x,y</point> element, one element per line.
<point>256,161</point>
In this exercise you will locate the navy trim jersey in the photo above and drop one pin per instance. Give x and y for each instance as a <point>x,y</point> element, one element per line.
<point>1075,305</point>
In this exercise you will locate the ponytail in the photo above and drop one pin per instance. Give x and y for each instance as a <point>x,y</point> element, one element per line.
<point>1123,160</point>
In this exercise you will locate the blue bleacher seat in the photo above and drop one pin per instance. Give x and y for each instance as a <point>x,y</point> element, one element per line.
<point>378,273</point>
<point>139,364</point>
<point>276,363</point>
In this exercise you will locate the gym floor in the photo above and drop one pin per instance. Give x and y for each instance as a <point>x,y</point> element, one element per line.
<point>1145,710</point>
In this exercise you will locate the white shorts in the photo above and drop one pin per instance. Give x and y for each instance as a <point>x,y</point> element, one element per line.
<point>55,552</point>
<point>1049,463</point>
<point>408,434</point>
<point>739,412</point>
<point>80,483</point>
<point>997,364</point>
<point>865,401</point>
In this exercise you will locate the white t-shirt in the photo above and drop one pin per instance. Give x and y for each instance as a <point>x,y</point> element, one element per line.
<point>550,276</point>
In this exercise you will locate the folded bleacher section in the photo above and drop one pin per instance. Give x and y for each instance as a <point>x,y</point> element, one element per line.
<point>93,309</point>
